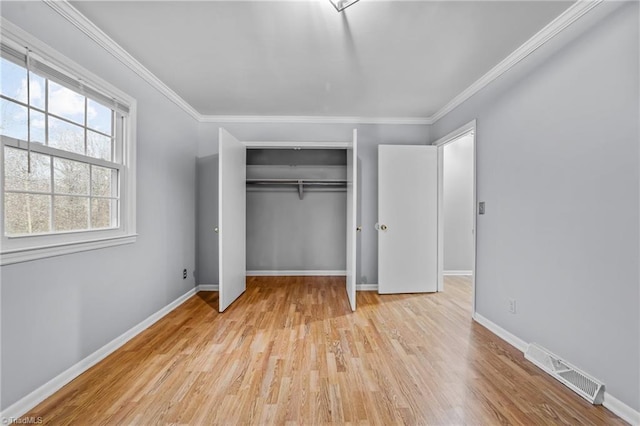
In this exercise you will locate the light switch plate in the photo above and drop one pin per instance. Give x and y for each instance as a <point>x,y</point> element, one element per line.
<point>481,207</point>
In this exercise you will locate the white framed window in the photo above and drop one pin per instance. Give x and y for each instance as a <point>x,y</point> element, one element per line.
<point>67,152</point>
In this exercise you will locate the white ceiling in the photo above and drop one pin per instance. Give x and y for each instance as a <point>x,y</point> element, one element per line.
<point>302,58</point>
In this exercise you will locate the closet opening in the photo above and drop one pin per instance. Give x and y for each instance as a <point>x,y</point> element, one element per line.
<point>296,202</point>
<point>285,208</point>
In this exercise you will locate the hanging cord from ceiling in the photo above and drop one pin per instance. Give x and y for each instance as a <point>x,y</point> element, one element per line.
<point>28,111</point>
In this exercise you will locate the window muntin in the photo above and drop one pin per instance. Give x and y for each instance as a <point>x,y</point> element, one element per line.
<point>60,117</point>
<point>75,145</point>
<point>75,196</point>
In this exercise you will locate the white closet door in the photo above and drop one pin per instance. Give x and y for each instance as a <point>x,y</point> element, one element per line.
<point>232,210</point>
<point>407,219</point>
<point>352,204</point>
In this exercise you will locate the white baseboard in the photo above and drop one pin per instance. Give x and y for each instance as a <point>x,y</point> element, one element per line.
<point>621,409</point>
<point>610,402</point>
<point>457,272</point>
<point>305,273</point>
<point>511,339</point>
<point>366,287</point>
<point>359,287</point>
<point>208,287</point>
<point>22,406</point>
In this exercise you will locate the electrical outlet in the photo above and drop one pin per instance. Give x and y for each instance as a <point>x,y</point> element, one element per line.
<point>512,306</point>
<point>184,274</point>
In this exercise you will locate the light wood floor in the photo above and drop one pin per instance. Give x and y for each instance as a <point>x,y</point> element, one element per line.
<point>289,351</point>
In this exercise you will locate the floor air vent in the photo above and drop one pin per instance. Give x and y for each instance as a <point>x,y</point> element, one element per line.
<point>584,385</point>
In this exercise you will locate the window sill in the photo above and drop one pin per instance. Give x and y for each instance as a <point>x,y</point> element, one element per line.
<point>25,255</point>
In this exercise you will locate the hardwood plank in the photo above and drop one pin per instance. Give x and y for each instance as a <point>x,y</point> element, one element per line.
<point>290,351</point>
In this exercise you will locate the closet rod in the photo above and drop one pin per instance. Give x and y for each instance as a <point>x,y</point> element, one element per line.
<point>295,182</point>
<point>300,183</point>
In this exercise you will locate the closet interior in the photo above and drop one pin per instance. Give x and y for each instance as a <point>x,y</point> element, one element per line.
<point>296,203</point>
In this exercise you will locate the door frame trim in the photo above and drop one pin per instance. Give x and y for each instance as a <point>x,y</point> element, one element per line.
<point>468,128</point>
<point>301,145</point>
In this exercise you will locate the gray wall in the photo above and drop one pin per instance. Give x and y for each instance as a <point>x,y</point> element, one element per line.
<point>287,233</point>
<point>369,137</point>
<point>457,203</point>
<point>57,311</point>
<point>207,220</point>
<point>557,157</point>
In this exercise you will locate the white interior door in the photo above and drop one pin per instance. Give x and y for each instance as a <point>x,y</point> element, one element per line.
<point>352,203</point>
<point>232,211</point>
<point>407,219</point>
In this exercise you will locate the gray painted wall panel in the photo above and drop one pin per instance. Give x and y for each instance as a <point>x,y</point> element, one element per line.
<point>286,233</point>
<point>207,220</point>
<point>369,137</point>
<point>59,310</point>
<point>558,165</point>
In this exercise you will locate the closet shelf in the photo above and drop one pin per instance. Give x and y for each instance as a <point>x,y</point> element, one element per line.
<point>300,183</point>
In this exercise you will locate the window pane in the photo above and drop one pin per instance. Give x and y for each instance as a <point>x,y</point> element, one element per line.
<point>98,146</point>
<point>36,93</point>
<point>16,176</point>
<point>13,80</point>
<point>13,120</point>
<point>99,117</point>
<point>66,103</point>
<point>66,136</point>
<point>103,181</point>
<point>103,213</point>
<point>70,177</point>
<point>37,127</point>
<point>26,213</point>
<point>70,213</point>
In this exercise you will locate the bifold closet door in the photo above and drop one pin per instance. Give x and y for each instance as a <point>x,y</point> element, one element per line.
<point>232,211</point>
<point>352,203</point>
<point>407,219</point>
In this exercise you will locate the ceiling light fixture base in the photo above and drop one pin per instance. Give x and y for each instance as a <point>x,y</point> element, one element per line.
<point>341,5</point>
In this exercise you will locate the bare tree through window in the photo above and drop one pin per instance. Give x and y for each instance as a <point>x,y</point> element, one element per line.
<point>60,192</point>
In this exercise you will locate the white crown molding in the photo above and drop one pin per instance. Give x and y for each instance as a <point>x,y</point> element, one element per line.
<point>569,16</point>
<point>293,119</point>
<point>73,15</point>
<point>555,27</point>
<point>76,18</point>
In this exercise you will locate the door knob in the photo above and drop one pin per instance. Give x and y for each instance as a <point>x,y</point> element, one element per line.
<point>215,229</point>
<point>383,227</point>
<point>359,228</point>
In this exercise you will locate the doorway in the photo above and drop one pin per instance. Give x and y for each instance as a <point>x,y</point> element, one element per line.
<point>456,208</point>
<point>232,207</point>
